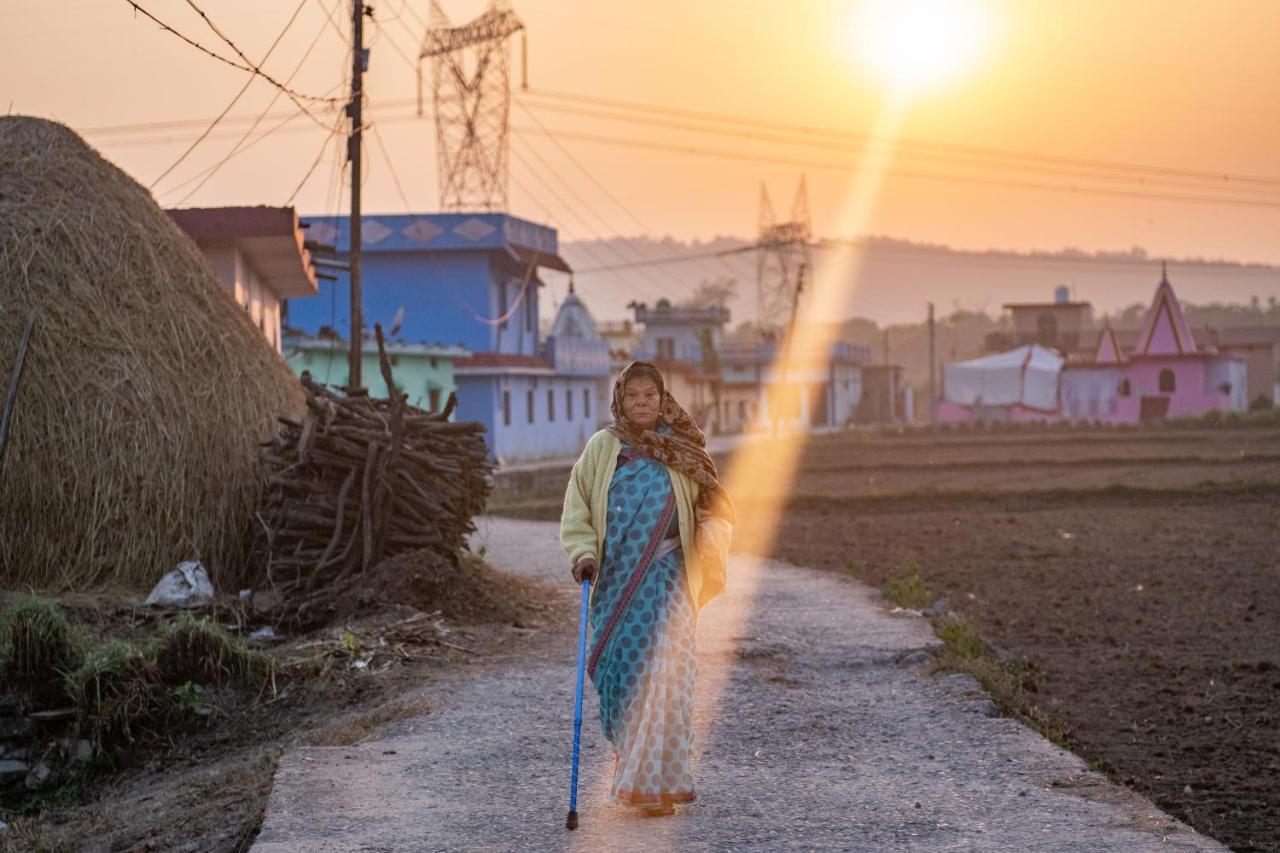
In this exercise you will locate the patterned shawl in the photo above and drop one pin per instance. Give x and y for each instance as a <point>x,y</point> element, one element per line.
<point>685,448</point>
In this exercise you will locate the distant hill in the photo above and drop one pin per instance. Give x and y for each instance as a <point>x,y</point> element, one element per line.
<point>968,289</point>
<point>899,277</point>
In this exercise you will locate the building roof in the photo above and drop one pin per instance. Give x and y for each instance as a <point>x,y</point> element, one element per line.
<point>1044,305</point>
<point>501,362</point>
<point>423,348</point>
<point>270,238</point>
<point>523,241</point>
<point>574,320</point>
<point>1164,328</point>
<point>664,313</point>
<point>1108,351</point>
<point>695,372</point>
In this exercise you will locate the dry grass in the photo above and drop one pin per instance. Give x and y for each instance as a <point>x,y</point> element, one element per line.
<point>361,727</point>
<point>146,387</point>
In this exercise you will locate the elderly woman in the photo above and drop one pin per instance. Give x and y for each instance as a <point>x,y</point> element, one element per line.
<point>645,516</point>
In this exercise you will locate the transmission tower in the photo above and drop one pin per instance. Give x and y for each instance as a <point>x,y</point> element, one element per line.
<point>783,253</point>
<point>472,97</point>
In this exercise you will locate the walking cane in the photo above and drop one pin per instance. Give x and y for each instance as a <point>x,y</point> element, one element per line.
<point>571,822</point>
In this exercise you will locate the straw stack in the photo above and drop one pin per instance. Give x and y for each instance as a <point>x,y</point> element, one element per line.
<point>146,388</point>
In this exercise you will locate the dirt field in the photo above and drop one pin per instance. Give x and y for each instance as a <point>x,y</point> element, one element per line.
<point>1139,571</point>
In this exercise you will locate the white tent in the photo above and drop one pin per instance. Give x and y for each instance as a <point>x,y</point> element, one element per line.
<point>1026,376</point>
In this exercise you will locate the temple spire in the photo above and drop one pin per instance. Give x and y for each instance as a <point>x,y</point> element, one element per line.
<point>1164,272</point>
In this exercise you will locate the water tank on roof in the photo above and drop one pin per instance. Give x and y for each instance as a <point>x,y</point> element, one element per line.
<point>1062,294</point>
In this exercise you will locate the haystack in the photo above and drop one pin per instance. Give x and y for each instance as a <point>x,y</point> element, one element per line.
<point>146,388</point>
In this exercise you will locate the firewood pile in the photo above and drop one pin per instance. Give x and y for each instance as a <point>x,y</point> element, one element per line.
<point>357,481</point>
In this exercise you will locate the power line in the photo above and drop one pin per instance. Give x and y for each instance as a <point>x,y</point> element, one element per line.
<point>670,259</point>
<point>203,177</point>
<point>568,207</point>
<point>845,167</point>
<point>899,143</point>
<point>591,177</point>
<point>247,67</point>
<point>192,147</point>
<point>593,212</point>
<point>377,137</point>
<point>970,160</point>
<point>240,145</point>
<point>551,218</point>
<point>311,170</point>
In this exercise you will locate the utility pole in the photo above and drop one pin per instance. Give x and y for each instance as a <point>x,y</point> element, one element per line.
<point>932,395</point>
<point>359,65</point>
<point>888,381</point>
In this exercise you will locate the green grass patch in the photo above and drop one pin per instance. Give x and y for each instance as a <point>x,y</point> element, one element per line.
<point>117,689</point>
<point>201,652</point>
<point>907,588</point>
<point>37,647</point>
<point>1012,685</point>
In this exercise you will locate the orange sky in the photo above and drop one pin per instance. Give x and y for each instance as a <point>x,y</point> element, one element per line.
<point>1175,83</point>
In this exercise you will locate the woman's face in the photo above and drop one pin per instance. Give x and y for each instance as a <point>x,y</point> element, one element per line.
<point>641,402</point>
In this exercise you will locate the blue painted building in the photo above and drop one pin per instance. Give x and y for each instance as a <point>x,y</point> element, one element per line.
<point>471,280</point>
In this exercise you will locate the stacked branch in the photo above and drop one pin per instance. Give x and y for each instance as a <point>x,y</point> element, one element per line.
<point>358,480</point>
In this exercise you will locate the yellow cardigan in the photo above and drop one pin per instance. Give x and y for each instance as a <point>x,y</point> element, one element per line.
<point>703,538</point>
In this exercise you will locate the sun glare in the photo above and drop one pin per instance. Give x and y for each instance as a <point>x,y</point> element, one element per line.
<point>913,45</point>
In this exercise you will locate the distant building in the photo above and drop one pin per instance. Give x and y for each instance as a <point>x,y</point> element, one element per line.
<point>423,371</point>
<point>684,343</point>
<point>621,336</point>
<point>1062,324</point>
<point>258,255</point>
<point>471,280</point>
<point>885,397</point>
<point>577,351</point>
<point>1163,373</point>
<point>758,392</point>
<point>1257,346</point>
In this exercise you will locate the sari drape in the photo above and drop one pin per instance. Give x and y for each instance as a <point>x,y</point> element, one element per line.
<point>641,659</point>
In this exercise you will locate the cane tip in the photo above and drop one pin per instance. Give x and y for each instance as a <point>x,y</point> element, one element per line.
<point>571,822</point>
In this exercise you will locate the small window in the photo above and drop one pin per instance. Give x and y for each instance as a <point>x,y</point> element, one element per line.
<point>431,362</point>
<point>506,408</point>
<point>1168,382</point>
<point>742,410</point>
<point>433,399</point>
<point>529,406</point>
<point>395,360</point>
<point>586,403</point>
<point>551,405</point>
<point>666,349</point>
<point>568,404</point>
<point>1125,388</point>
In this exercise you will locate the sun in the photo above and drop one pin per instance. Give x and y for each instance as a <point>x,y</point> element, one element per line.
<point>914,45</point>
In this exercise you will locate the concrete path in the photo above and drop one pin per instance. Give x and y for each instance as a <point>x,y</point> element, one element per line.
<point>816,731</point>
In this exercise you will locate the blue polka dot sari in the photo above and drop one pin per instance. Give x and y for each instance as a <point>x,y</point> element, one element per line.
<point>641,658</point>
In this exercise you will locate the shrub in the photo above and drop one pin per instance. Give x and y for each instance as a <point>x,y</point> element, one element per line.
<point>37,647</point>
<point>197,650</point>
<point>117,688</point>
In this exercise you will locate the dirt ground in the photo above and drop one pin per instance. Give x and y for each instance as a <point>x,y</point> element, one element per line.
<point>1140,571</point>
<point>205,791</point>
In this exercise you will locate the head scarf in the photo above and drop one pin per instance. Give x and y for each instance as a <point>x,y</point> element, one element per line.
<point>683,448</point>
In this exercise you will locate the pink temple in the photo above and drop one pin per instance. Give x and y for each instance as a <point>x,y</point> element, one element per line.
<point>1165,374</point>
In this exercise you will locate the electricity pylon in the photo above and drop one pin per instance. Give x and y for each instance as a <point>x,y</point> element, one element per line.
<point>783,253</point>
<point>471,93</point>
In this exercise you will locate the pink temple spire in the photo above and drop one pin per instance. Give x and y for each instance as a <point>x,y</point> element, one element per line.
<point>1164,329</point>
